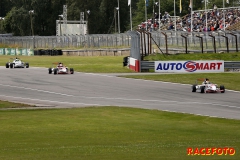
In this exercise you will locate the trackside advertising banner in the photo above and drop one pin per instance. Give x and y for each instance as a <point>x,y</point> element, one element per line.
<point>16,51</point>
<point>189,66</point>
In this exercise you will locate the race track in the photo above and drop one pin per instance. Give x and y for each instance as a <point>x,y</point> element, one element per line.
<point>36,86</point>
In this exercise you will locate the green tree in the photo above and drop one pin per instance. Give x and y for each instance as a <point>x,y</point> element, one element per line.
<point>17,22</point>
<point>5,7</point>
<point>100,20</point>
<point>45,15</point>
<point>77,6</point>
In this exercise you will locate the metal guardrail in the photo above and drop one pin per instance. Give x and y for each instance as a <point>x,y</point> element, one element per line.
<point>145,65</point>
<point>232,65</point>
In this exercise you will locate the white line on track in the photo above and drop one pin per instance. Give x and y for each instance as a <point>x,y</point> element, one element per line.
<point>149,80</point>
<point>196,114</point>
<point>123,99</point>
<point>51,101</point>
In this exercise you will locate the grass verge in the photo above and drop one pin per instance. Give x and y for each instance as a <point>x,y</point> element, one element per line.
<point>112,133</point>
<point>196,56</point>
<point>112,64</point>
<point>95,64</point>
<point>229,80</point>
<point>6,104</point>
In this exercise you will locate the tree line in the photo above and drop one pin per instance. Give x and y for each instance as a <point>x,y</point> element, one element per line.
<point>17,18</point>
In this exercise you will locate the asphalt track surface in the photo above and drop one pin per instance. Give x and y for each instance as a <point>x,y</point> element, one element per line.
<point>36,86</point>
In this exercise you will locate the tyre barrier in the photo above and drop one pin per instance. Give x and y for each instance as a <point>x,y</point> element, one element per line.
<point>48,52</point>
<point>126,61</point>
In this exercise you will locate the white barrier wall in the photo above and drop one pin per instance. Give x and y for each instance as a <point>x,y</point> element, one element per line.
<point>134,64</point>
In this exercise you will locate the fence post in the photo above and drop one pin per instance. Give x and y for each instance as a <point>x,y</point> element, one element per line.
<point>226,42</point>
<point>165,41</point>
<point>149,41</point>
<point>141,41</point>
<point>201,40</point>
<point>236,41</point>
<point>185,43</point>
<point>144,42</point>
<point>214,43</point>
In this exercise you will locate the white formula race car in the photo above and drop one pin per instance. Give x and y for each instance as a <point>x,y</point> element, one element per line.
<point>60,69</point>
<point>208,88</point>
<point>17,63</point>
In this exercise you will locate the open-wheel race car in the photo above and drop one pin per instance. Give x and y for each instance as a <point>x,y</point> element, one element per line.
<point>60,69</point>
<point>17,63</point>
<point>207,87</point>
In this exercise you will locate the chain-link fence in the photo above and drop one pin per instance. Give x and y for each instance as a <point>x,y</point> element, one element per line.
<point>185,42</point>
<point>73,41</point>
<point>167,41</point>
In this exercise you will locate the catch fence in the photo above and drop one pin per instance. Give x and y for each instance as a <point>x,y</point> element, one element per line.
<point>163,41</point>
<point>195,42</point>
<point>69,42</point>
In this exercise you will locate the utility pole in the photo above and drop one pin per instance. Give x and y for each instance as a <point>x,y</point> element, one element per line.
<point>118,18</point>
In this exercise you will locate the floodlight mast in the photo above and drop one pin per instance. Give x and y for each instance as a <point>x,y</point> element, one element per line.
<point>1,19</point>
<point>88,13</point>
<point>118,18</point>
<point>60,17</point>
<point>31,12</point>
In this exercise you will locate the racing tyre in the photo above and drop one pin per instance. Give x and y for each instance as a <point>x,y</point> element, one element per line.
<point>71,70</point>
<point>194,88</point>
<point>202,89</point>
<point>11,65</point>
<point>7,65</point>
<point>55,71</point>
<point>222,88</point>
<point>50,70</point>
<point>27,65</point>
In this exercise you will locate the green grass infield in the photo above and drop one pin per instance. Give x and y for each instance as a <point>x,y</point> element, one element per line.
<point>114,133</point>
<point>94,64</point>
<point>118,133</point>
